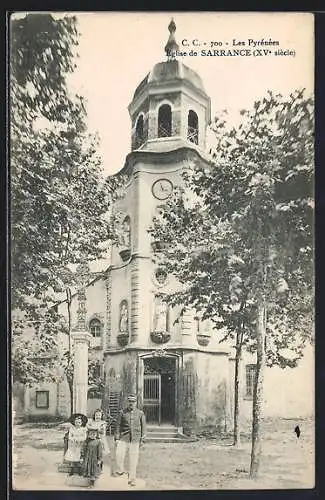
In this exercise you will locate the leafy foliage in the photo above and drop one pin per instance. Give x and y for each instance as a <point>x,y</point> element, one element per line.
<point>239,237</point>
<point>60,200</point>
<point>96,380</point>
<point>59,197</point>
<point>36,347</point>
<point>249,226</point>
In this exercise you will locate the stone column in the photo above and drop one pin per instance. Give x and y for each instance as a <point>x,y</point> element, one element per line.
<point>140,301</point>
<point>81,341</point>
<point>107,338</point>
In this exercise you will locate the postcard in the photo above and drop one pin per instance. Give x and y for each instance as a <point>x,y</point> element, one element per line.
<point>162,320</point>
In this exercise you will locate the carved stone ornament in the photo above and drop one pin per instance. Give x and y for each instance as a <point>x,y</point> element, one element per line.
<point>81,311</point>
<point>123,339</point>
<point>125,253</point>
<point>160,277</point>
<point>159,353</point>
<point>124,317</point>
<point>160,337</point>
<point>203,340</point>
<point>157,245</point>
<point>125,239</point>
<point>160,316</point>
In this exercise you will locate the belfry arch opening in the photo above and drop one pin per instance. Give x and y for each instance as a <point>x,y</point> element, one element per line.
<point>165,121</point>
<point>192,127</point>
<point>139,132</point>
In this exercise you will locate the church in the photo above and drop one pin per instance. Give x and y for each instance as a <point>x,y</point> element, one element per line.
<point>176,365</point>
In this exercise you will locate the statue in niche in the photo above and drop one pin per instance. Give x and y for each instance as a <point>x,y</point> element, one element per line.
<point>126,233</point>
<point>124,317</point>
<point>206,327</point>
<point>160,319</point>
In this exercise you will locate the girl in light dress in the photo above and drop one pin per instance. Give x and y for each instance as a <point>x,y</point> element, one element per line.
<point>75,438</point>
<point>100,424</point>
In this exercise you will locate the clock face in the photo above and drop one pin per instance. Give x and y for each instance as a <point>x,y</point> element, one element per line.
<point>162,189</point>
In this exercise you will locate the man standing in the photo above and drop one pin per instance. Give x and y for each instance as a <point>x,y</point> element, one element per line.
<point>129,434</point>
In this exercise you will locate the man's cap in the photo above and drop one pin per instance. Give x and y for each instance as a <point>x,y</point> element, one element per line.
<point>132,397</point>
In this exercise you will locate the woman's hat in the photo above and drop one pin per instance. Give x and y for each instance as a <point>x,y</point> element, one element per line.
<point>84,418</point>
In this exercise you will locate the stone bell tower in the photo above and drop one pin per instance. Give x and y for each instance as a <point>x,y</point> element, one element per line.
<point>170,112</point>
<point>169,105</point>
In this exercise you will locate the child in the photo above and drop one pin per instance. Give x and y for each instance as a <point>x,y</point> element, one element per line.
<point>92,454</point>
<point>99,423</point>
<point>74,440</point>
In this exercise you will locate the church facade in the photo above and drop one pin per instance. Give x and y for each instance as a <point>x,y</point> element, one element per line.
<point>174,363</point>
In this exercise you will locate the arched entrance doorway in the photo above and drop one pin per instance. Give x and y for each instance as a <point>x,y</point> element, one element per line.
<point>159,389</point>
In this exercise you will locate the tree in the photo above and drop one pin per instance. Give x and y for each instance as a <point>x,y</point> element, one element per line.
<point>39,355</point>
<point>246,257</point>
<point>36,349</point>
<point>60,200</point>
<point>59,197</point>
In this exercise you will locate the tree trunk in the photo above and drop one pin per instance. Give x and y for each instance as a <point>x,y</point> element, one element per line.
<point>70,383</point>
<point>68,295</point>
<point>258,391</point>
<point>239,338</point>
<point>69,378</point>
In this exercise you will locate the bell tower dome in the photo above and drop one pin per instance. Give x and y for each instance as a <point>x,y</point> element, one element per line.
<point>170,108</point>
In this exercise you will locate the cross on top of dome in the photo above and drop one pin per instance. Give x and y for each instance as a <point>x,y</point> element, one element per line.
<point>172,26</point>
<point>171,46</point>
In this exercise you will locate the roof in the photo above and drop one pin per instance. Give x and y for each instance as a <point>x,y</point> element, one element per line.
<point>170,71</point>
<point>171,144</point>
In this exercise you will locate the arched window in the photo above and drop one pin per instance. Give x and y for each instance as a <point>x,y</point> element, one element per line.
<point>165,121</point>
<point>139,132</point>
<point>95,327</point>
<point>193,127</point>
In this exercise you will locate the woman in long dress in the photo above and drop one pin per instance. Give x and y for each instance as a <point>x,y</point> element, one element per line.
<point>75,438</point>
<point>98,422</point>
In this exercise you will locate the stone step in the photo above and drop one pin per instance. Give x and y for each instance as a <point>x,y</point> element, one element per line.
<point>168,439</point>
<point>162,433</point>
<point>162,428</point>
<point>165,434</point>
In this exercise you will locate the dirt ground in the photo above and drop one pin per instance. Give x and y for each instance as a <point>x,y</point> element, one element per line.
<point>287,461</point>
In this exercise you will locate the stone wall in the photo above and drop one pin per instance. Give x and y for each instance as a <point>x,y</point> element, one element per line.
<point>120,377</point>
<point>288,392</point>
<point>58,398</point>
<point>206,392</point>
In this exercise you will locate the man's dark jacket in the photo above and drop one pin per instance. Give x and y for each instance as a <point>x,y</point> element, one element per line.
<point>131,425</point>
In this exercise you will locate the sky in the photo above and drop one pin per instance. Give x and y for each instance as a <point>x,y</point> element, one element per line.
<point>117,50</point>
